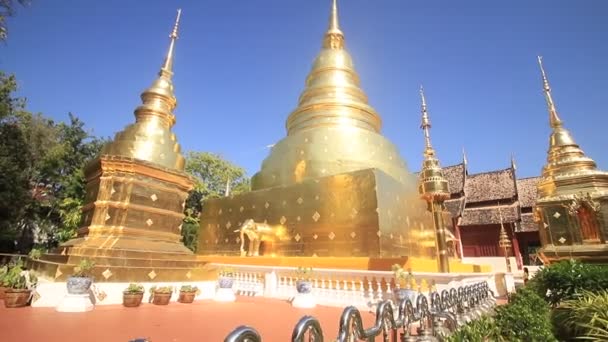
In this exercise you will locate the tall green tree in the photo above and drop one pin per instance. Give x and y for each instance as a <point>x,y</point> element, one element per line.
<point>213,174</point>
<point>41,163</point>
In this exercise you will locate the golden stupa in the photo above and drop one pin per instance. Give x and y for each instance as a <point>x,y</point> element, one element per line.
<point>136,190</point>
<point>333,187</point>
<point>572,204</point>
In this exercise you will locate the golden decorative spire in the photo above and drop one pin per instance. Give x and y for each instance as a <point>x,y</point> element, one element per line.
<point>332,96</point>
<point>553,117</point>
<point>426,125</point>
<point>167,67</point>
<point>433,185</point>
<point>334,38</point>
<point>333,129</point>
<point>566,162</point>
<point>150,138</point>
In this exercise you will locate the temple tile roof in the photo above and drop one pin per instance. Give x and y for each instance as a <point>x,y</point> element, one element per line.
<point>489,215</point>
<point>490,186</point>
<point>455,206</point>
<point>455,176</point>
<point>526,191</point>
<point>527,224</point>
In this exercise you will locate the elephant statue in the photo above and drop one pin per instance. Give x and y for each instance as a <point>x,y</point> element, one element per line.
<point>258,232</point>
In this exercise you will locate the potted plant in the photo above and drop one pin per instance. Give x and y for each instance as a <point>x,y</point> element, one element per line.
<point>133,295</point>
<point>160,295</point>
<point>3,272</point>
<point>187,293</point>
<point>80,281</point>
<point>226,278</point>
<point>304,282</point>
<point>404,280</point>
<point>19,285</point>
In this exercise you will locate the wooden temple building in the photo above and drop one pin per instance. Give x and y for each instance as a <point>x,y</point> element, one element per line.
<point>480,202</point>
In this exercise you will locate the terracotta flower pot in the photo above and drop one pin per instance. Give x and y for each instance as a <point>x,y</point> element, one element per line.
<point>16,298</point>
<point>161,298</point>
<point>132,299</point>
<point>2,290</point>
<point>186,297</point>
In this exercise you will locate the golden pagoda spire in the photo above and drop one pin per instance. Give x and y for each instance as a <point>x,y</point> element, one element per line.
<point>426,125</point>
<point>332,96</point>
<point>433,184</point>
<point>150,137</point>
<point>565,160</point>
<point>167,67</point>
<point>553,117</point>
<point>334,38</point>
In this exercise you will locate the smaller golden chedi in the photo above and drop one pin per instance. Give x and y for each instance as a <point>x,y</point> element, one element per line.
<point>136,191</point>
<point>572,204</point>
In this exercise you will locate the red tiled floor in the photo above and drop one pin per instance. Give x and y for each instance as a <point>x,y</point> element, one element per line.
<point>202,321</point>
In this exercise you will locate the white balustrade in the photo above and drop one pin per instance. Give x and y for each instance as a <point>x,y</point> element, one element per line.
<point>336,287</point>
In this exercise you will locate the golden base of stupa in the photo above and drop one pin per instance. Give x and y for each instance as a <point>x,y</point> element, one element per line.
<point>345,263</point>
<point>125,266</point>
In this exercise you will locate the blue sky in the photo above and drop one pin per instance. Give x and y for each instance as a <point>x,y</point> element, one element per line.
<point>240,67</point>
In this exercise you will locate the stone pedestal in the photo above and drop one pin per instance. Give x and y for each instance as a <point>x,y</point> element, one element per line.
<point>304,301</point>
<point>224,295</point>
<point>75,303</point>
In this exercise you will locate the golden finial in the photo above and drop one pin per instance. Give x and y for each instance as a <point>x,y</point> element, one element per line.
<point>334,38</point>
<point>426,125</point>
<point>167,68</point>
<point>334,25</point>
<point>553,117</point>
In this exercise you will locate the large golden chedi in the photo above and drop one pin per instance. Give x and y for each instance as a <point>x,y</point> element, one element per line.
<point>136,190</point>
<point>334,186</point>
<point>572,204</point>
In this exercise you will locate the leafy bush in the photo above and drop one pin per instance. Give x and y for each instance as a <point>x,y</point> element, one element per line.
<point>35,253</point>
<point>162,289</point>
<point>526,317</point>
<point>188,288</point>
<point>304,273</point>
<point>566,279</point>
<point>585,317</point>
<point>483,329</point>
<point>134,288</point>
<point>84,268</point>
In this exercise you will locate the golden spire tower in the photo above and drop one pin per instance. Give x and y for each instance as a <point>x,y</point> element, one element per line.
<point>333,130</point>
<point>150,137</point>
<point>565,157</point>
<point>570,194</point>
<point>433,188</point>
<point>136,192</point>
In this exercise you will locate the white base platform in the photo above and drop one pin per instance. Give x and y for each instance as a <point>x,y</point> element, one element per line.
<point>304,301</point>
<point>75,303</point>
<point>224,295</point>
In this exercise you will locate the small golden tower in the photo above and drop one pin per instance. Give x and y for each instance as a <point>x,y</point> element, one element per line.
<point>136,191</point>
<point>433,189</point>
<point>572,205</point>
